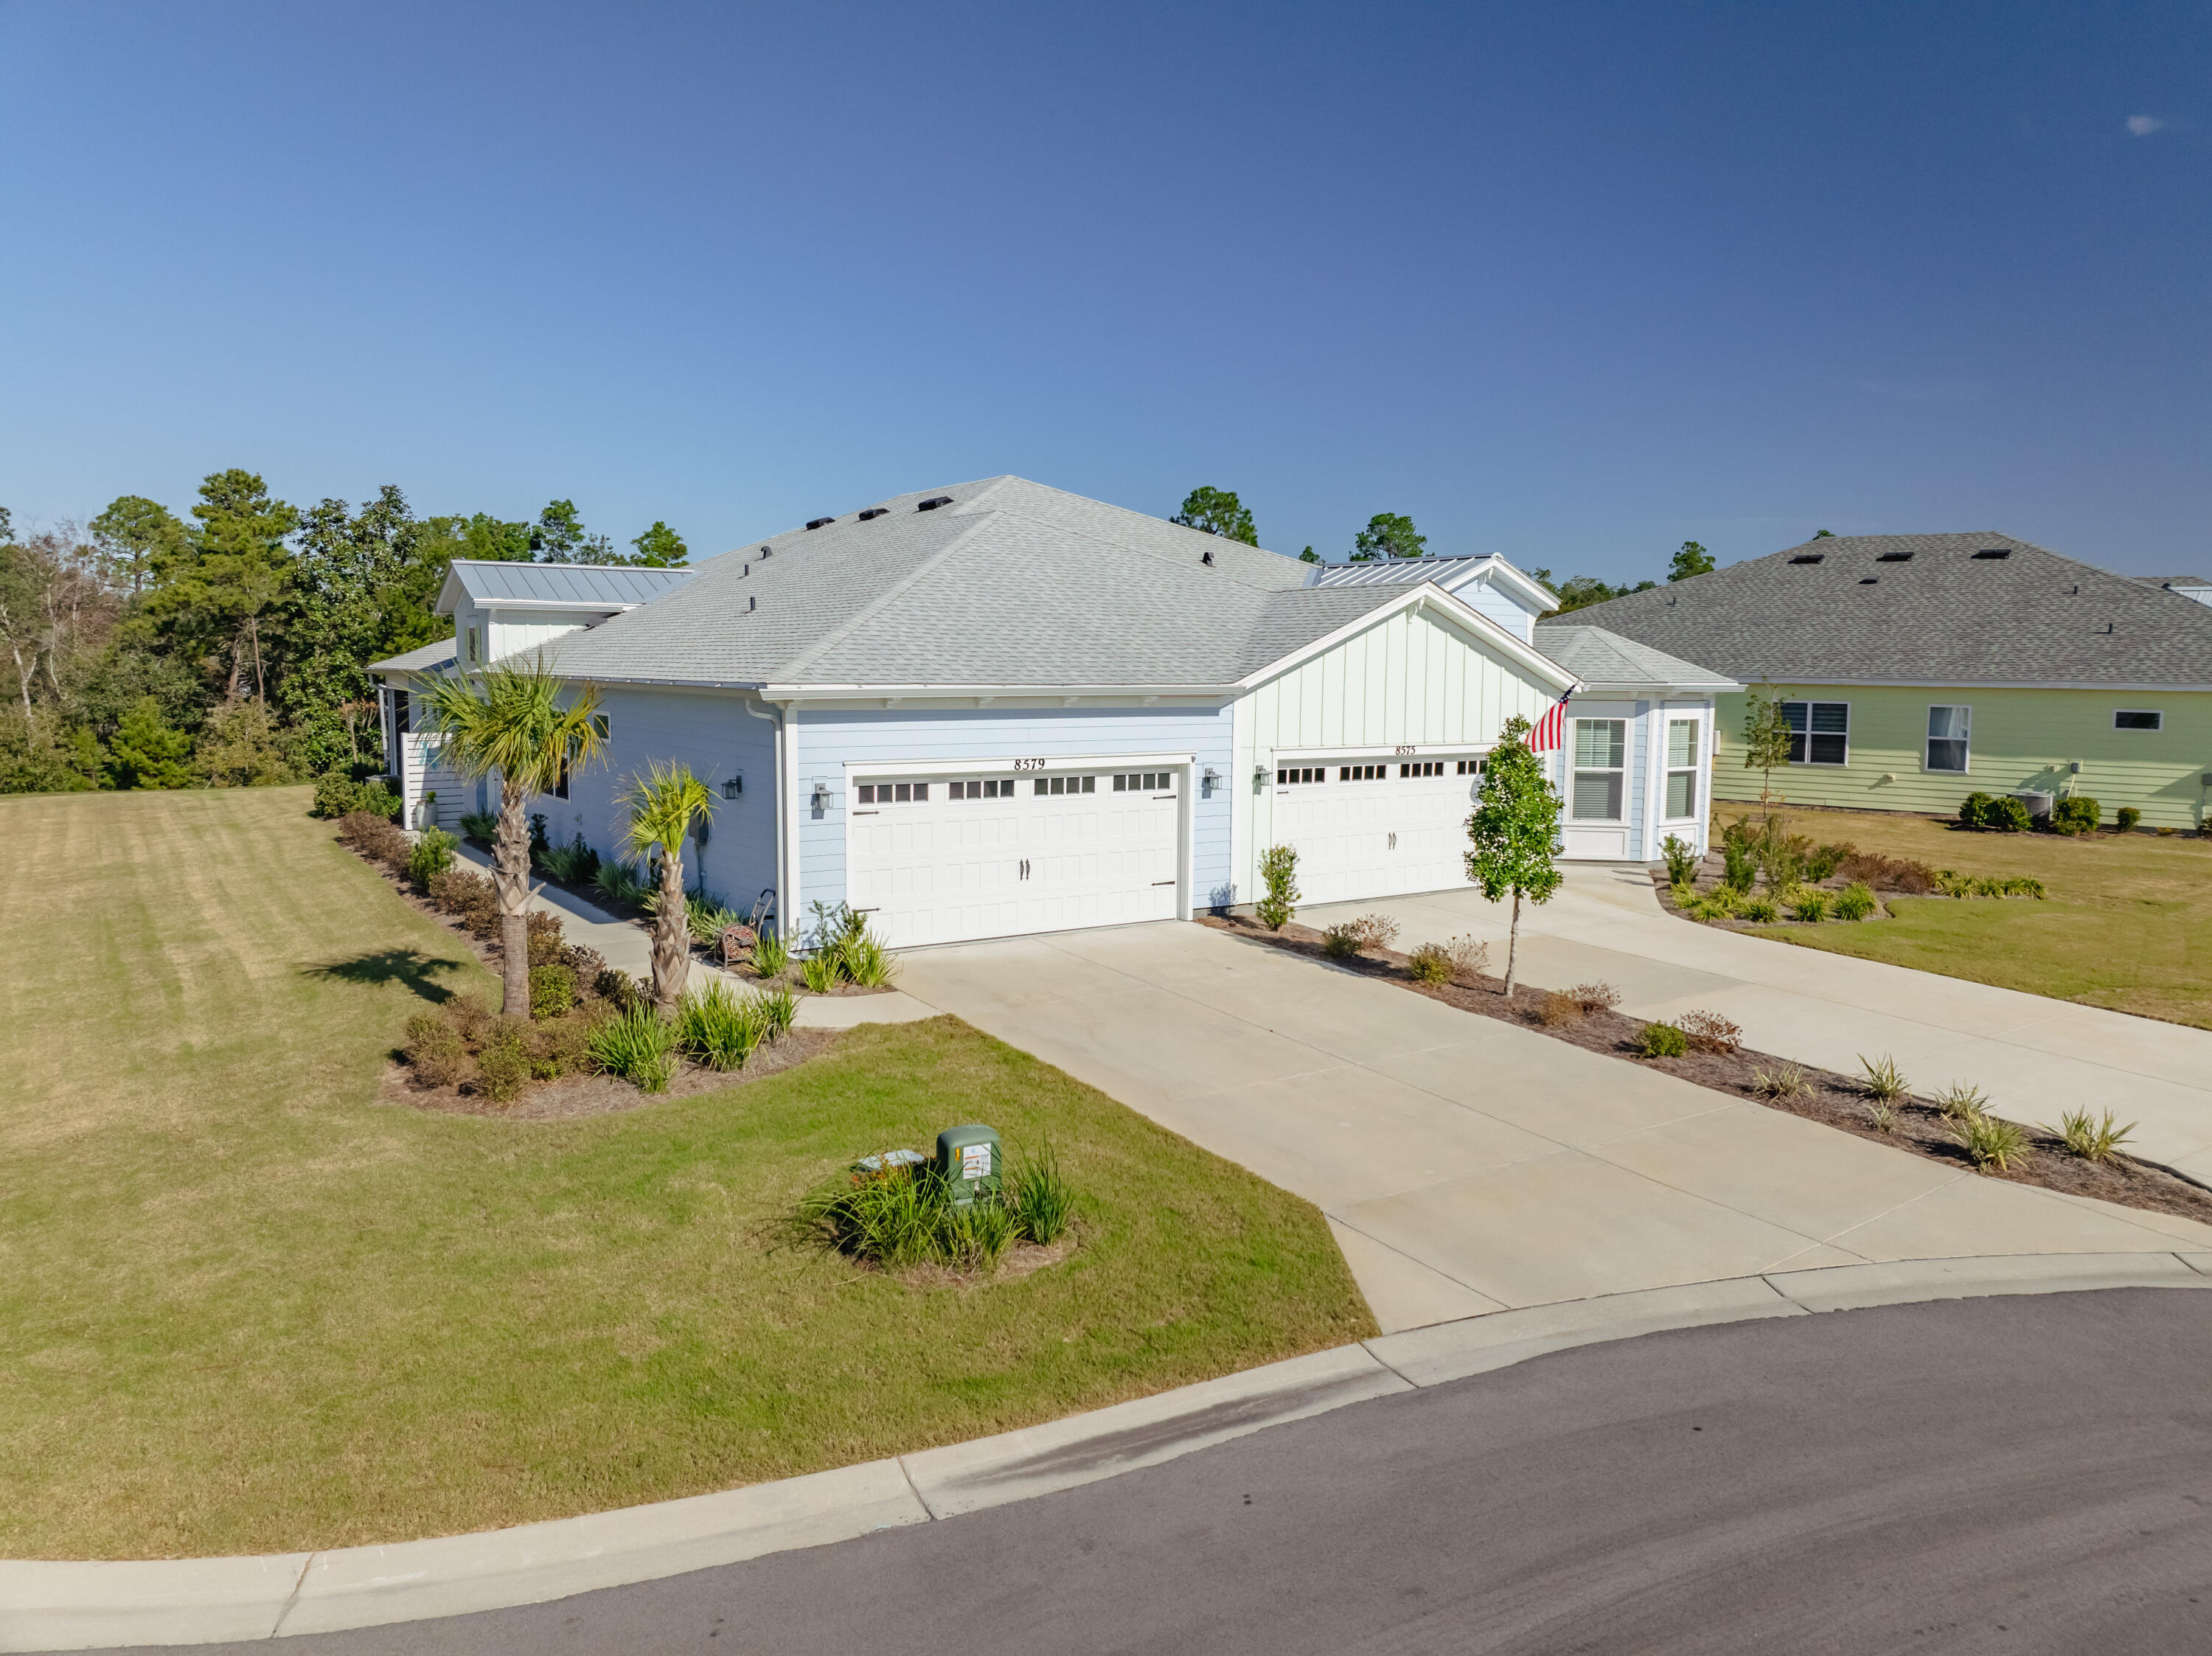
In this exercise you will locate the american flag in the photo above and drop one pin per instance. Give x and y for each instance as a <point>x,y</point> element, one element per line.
<point>1551,732</point>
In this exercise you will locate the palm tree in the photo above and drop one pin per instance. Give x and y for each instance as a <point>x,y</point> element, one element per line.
<point>663,802</point>
<point>511,720</point>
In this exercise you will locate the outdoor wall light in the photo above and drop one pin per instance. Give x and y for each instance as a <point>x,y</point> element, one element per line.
<point>733,787</point>
<point>1259,776</point>
<point>821,800</point>
<point>1211,779</point>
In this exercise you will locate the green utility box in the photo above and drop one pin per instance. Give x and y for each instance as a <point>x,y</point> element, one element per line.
<point>967,1160</point>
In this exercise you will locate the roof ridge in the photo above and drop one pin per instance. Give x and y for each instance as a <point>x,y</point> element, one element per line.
<point>868,612</point>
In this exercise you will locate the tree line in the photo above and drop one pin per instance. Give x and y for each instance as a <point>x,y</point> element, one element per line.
<point>229,647</point>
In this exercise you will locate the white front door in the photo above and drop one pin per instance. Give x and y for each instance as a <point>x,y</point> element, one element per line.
<point>945,858</point>
<point>1372,827</point>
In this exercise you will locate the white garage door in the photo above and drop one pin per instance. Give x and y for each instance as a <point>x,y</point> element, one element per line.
<point>1370,827</point>
<point>941,858</point>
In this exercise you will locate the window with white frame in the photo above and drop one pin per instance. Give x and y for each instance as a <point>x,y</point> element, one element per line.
<point>2138,719</point>
<point>472,647</point>
<point>1600,769</point>
<point>1681,767</point>
<point>1819,732</point>
<point>1949,730</point>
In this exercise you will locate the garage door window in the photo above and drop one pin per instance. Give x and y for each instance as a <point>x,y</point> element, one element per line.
<point>1423,767</point>
<point>1146,782</point>
<point>1301,775</point>
<point>1472,767</point>
<point>989,787</point>
<point>1067,785</point>
<point>1600,765</point>
<point>1681,767</point>
<point>1362,772</point>
<point>886,793</point>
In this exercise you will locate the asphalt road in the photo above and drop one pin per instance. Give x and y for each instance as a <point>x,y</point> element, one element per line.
<point>2030,1474</point>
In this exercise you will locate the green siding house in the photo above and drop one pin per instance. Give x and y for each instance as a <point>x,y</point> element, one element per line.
<point>1918,669</point>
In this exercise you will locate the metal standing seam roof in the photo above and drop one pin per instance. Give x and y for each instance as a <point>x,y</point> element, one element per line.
<point>1603,660</point>
<point>1921,609</point>
<point>1397,572</point>
<point>616,586</point>
<point>424,658</point>
<point>1009,583</point>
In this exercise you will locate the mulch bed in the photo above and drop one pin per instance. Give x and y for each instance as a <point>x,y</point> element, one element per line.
<point>1832,1100</point>
<point>573,1097</point>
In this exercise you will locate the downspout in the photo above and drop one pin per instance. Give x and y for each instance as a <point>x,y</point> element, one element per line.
<point>777,804</point>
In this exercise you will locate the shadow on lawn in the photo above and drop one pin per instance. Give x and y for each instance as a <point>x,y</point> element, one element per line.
<point>409,965</point>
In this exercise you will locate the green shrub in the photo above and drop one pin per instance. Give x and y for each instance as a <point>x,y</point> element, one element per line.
<point>1761,911</point>
<point>1279,870</point>
<point>1961,1099</point>
<point>339,793</point>
<point>639,1046</point>
<point>1809,904</point>
<point>1823,861</point>
<point>1042,1201</point>
<point>435,1051</point>
<point>706,920</point>
<point>1992,1143</point>
<point>1720,903</point>
<point>552,990</point>
<point>574,864</point>
<point>480,828</point>
<point>1682,896</point>
<point>2126,818</point>
<point>1854,902</point>
<point>1663,1040</point>
<point>503,1065</point>
<point>1739,865</point>
<point>542,938</point>
<point>2091,1139</point>
<point>1883,1117</point>
<point>562,1046</point>
<point>1430,963</point>
<point>835,925</point>
<point>1682,859</point>
<point>780,1007</point>
<point>469,897</point>
<point>1786,1082</point>
<point>433,854</point>
<point>1884,1082</point>
<point>1973,809</point>
<point>865,961</point>
<point>375,838</point>
<point>771,955</point>
<point>621,991</point>
<point>1340,942</point>
<point>2006,814</point>
<point>821,971</point>
<point>720,1027</point>
<point>620,883</point>
<point>2075,814</point>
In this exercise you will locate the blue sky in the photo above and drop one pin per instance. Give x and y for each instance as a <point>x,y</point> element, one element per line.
<point>1568,283</point>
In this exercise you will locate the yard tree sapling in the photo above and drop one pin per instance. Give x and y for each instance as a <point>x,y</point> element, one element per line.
<point>1766,736</point>
<point>1514,831</point>
<point>664,801</point>
<point>512,720</point>
<point>1218,512</point>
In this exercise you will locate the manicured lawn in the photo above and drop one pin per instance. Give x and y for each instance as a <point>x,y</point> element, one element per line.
<point>2128,923</point>
<point>247,1307</point>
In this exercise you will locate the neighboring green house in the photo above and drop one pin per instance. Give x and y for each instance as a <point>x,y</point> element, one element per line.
<point>1918,668</point>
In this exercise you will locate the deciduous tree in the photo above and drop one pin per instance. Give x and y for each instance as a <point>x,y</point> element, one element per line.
<point>1514,831</point>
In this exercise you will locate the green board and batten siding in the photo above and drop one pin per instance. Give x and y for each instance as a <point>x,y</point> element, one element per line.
<point>1413,679</point>
<point>2021,739</point>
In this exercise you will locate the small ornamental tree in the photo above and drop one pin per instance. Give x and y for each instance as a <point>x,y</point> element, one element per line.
<point>1766,736</point>
<point>664,802</point>
<point>1279,870</point>
<point>1514,831</point>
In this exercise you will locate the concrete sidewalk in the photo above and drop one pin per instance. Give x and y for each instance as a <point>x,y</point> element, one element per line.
<point>1466,1165</point>
<point>2034,1056</point>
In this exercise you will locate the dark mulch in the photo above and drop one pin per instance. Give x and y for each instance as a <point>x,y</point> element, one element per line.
<point>571,1097</point>
<point>1833,1100</point>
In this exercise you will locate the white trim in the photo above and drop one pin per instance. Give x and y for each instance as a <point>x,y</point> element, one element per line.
<point>2159,713</point>
<point>1816,682</point>
<point>787,908</point>
<point>1928,738</point>
<point>1402,750</point>
<point>1428,594</point>
<point>1810,763</point>
<point>1545,599</point>
<point>854,767</point>
<point>493,606</point>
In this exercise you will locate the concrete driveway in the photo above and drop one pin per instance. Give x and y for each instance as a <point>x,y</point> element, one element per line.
<point>2034,1057</point>
<point>1466,1165</point>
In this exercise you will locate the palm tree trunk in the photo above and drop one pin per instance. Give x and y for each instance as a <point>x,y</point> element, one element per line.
<point>511,879</point>
<point>671,935</point>
<point>1512,943</point>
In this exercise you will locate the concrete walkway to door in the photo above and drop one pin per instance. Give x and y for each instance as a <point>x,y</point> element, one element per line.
<point>2035,1057</point>
<point>1466,1165</point>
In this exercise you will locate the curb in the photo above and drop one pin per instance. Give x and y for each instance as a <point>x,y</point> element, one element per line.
<point>83,1605</point>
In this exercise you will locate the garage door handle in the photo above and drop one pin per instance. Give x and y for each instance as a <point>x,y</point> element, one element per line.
<point>1163,882</point>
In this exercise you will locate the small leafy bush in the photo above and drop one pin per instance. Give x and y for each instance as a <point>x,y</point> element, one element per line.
<point>1950,884</point>
<point>503,1066</point>
<point>1470,958</point>
<point>2091,1139</point>
<point>771,955</point>
<point>2126,819</point>
<point>1720,903</point>
<point>706,920</point>
<point>835,925</point>
<point>1373,932</point>
<point>620,883</point>
<point>469,897</point>
<point>1960,1100</point>
<point>1883,1082</point>
<point>821,971</point>
<point>903,1215</point>
<point>2006,814</point>
<point>480,828</point>
<point>1760,910</point>
<point>1902,874</point>
<point>1883,1117</point>
<point>1279,874</point>
<point>1854,902</point>
<point>1809,904</point>
<point>1430,963</point>
<point>619,990</point>
<point>1709,1032</point>
<point>1994,1143</point>
<point>1739,865</point>
<point>780,1008</point>
<point>2166,832</point>
<point>1787,1081</point>
<point>1042,1201</point>
<point>976,1237</point>
<point>433,854</point>
<point>1682,895</point>
<point>552,990</point>
<point>1682,859</point>
<point>542,938</point>
<point>1559,1010</point>
<point>435,1051</point>
<point>1823,861</point>
<point>1663,1040</point>
<point>574,864</point>
<point>1594,996</point>
<point>864,959</point>
<point>720,1027</point>
<point>639,1046</point>
<point>375,838</point>
<point>1340,942</point>
<point>1971,808</point>
<point>339,793</point>
<point>2075,814</point>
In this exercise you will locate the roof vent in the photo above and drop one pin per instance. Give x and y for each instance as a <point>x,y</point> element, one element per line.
<point>1995,552</point>
<point>817,523</point>
<point>934,502</point>
<point>767,552</point>
<point>1808,557</point>
<point>751,605</point>
<point>1894,557</point>
<point>1869,581</point>
<point>1206,557</point>
<point>873,512</point>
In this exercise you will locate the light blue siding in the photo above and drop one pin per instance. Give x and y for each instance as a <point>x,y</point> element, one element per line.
<point>1487,601</point>
<point>829,736</point>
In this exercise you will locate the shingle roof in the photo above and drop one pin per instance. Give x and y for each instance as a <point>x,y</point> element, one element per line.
<point>1604,660</point>
<point>584,585</point>
<point>1921,609</point>
<point>424,658</point>
<point>1010,583</point>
